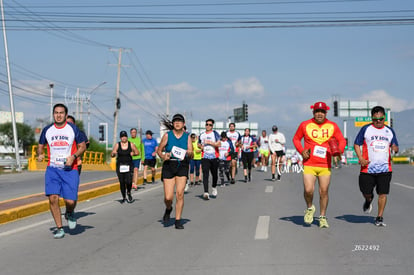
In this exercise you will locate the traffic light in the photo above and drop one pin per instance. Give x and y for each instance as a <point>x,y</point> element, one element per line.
<point>335,108</point>
<point>101,133</point>
<point>245,113</point>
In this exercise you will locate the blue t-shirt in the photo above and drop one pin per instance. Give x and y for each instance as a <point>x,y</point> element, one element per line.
<point>149,147</point>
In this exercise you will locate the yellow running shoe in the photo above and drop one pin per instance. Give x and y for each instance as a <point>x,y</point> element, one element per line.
<point>308,218</point>
<point>323,223</point>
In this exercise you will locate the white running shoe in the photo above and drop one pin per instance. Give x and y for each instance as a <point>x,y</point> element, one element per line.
<point>265,169</point>
<point>214,192</point>
<point>206,196</point>
<point>187,186</point>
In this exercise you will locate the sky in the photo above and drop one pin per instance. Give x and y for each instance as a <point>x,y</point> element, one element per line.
<point>207,57</point>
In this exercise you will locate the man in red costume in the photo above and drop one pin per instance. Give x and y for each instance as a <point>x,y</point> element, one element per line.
<point>317,156</point>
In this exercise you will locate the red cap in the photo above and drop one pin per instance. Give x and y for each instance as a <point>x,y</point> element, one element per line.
<point>320,106</point>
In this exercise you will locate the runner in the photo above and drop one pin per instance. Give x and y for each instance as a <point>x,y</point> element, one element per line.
<point>277,141</point>
<point>225,152</point>
<point>65,144</point>
<point>178,150</point>
<point>317,156</point>
<point>124,151</point>
<point>150,149</point>
<point>72,120</point>
<point>208,142</point>
<point>263,144</point>
<point>136,160</point>
<point>373,146</point>
<point>248,144</point>
<point>234,137</point>
<point>195,163</point>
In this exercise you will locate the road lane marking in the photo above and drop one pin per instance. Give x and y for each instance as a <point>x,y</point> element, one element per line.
<point>269,189</point>
<point>403,185</point>
<point>262,228</point>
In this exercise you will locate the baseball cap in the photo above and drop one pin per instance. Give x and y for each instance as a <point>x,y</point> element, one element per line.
<point>178,117</point>
<point>123,134</point>
<point>149,132</point>
<point>274,128</point>
<point>320,106</point>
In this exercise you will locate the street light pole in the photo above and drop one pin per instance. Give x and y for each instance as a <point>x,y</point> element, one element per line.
<point>13,115</point>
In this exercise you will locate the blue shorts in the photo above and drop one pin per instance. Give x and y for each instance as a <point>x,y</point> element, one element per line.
<point>61,182</point>
<point>136,163</point>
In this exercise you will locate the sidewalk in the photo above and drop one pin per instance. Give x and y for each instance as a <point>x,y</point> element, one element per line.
<point>14,209</point>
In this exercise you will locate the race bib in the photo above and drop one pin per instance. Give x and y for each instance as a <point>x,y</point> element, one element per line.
<point>60,159</point>
<point>379,146</point>
<point>319,151</point>
<point>178,152</point>
<point>123,168</point>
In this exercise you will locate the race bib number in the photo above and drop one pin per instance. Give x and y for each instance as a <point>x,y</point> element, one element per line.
<point>178,152</point>
<point>60,160</point>
<point>319,151</point>
<point>123,168</point>
<point>380,146</point>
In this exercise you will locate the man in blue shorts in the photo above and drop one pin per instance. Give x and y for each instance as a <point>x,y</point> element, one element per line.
<point>136,160</point>
<point>65,143</point>
<point>150,148</point>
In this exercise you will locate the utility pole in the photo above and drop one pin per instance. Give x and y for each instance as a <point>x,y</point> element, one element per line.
<point>117,99</point>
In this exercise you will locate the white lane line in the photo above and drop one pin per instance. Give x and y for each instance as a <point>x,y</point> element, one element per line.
<point>262,228</point>
<point>269,189</point>
<point>27,227</point>
<point>403,185</point>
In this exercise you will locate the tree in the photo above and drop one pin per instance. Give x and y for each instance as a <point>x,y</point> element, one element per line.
<point>25,135</point>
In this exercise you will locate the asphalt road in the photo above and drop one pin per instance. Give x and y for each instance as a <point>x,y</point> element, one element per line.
<point>250,228</point>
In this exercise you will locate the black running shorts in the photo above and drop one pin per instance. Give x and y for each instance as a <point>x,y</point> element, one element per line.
<point>381,182</point>
<point>173,168</point>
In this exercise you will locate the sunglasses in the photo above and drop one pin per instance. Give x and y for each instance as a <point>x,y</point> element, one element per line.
<point>381,118</point>
<point>209,124</point>
<point>320,111</point>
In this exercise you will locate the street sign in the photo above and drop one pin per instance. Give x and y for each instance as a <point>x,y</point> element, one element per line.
<point>364,120</point>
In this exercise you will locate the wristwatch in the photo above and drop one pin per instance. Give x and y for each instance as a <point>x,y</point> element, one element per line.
<point>74,155</point>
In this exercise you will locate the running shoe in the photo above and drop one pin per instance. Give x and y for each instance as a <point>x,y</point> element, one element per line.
<point>323,222</point>
<point>130,200</point>
<point>134,186</point>
<point>245,178</point>
<point>123,200</point>
<point>206,196</point>
<point>70,217</point>
<point>308,218</point>
<point>232,181</point>
<point>265,169</point>
<point>214,192</point>
<point>367,207</point>
<point>187,186</point>
<point>166,217</point>
<point>59,234</point>
<point>178,224</point>
<point>153,180</point>
<point>379,221</point>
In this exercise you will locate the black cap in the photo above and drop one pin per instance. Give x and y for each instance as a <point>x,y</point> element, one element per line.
<point>149,132</point>
<point>123,134</point>
<point>274,128</point>
<point>179,117</point>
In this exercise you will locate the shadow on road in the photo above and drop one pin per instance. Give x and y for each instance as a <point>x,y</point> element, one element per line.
<point>356,218</point>
<point>298,220</point>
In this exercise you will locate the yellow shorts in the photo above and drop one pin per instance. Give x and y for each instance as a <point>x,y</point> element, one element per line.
<point>317,171</point>
<point>264,152</point>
